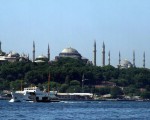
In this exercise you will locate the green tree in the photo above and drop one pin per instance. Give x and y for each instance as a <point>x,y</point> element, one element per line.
<point>145,95</point>
<point>63,88</point>
<point>116,92</point>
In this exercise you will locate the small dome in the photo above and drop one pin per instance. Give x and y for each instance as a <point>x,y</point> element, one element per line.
<point>39,61</point>
<point>42,57</point>
<point>13,54</point>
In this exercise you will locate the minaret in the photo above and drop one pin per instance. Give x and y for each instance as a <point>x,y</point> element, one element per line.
<point>109,58</point>
<point>144,60</point>
<point>94,53</point>
<point>48,53</point>
<point>103,55</point>
<point>0,46</point>
<point>33,51</point>
<point>119,58</point>
<point>28,57</point>
<point>133,58</point>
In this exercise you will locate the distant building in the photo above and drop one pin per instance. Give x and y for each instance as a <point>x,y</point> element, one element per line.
<point>125,64</point>
<point>67,52</point>
<point>12,56</point>
<point>41,59</point>
<point>71,53</point>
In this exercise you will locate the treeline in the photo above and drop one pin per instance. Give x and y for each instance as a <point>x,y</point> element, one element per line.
<point>67,76</point>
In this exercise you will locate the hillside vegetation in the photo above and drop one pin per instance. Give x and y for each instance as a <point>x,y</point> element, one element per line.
<point>67,75</point>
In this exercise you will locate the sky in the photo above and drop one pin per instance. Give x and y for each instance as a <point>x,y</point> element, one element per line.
<point>123,25</point>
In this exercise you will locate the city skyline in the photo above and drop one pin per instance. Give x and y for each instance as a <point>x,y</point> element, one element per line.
<point>122,25</point>
<point>94,62</point>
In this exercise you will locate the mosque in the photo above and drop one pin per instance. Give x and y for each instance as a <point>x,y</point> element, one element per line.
<point>12,56</point>
<point>73,53</point>
<point>67,52</point>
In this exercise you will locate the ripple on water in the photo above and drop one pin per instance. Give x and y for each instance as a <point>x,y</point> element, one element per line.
<point>75,111</point>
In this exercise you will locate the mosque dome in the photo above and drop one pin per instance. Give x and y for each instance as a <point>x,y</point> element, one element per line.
<point>13,54</point>
<point>70,52</point>
<point>126,64</point>
<point>39,61</point>
<point>41,57</point>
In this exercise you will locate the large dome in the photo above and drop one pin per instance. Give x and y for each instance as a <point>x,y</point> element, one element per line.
<point>126,64</point>
<point>70,52</point>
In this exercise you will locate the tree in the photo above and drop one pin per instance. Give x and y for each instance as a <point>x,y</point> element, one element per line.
<point>145,95</point>
<point>63,88</point>
<point>104,90</point>
<point>74,86</point>
<point>116,92</point>
<point>16,85</point>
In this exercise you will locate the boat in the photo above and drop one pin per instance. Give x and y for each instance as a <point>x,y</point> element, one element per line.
<point>33,94</point>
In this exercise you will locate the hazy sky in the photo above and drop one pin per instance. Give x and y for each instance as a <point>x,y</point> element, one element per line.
<point>124,25</point>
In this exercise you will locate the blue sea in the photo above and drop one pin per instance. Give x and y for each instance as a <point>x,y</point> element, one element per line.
<point>75,110</point>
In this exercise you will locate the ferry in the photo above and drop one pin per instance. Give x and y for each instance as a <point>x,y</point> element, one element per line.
<point>33,94</point>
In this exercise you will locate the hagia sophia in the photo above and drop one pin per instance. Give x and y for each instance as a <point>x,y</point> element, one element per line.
<point>67,52</point>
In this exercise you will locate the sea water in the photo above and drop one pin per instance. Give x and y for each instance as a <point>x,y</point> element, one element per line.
<point>75,110</point>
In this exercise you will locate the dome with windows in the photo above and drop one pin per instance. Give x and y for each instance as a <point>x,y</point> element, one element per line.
<point>70,52</point>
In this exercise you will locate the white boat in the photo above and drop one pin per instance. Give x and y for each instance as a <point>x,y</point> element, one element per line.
<point>33,94</point>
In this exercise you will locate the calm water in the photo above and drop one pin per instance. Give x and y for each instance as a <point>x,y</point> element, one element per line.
<point>103,110</point>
